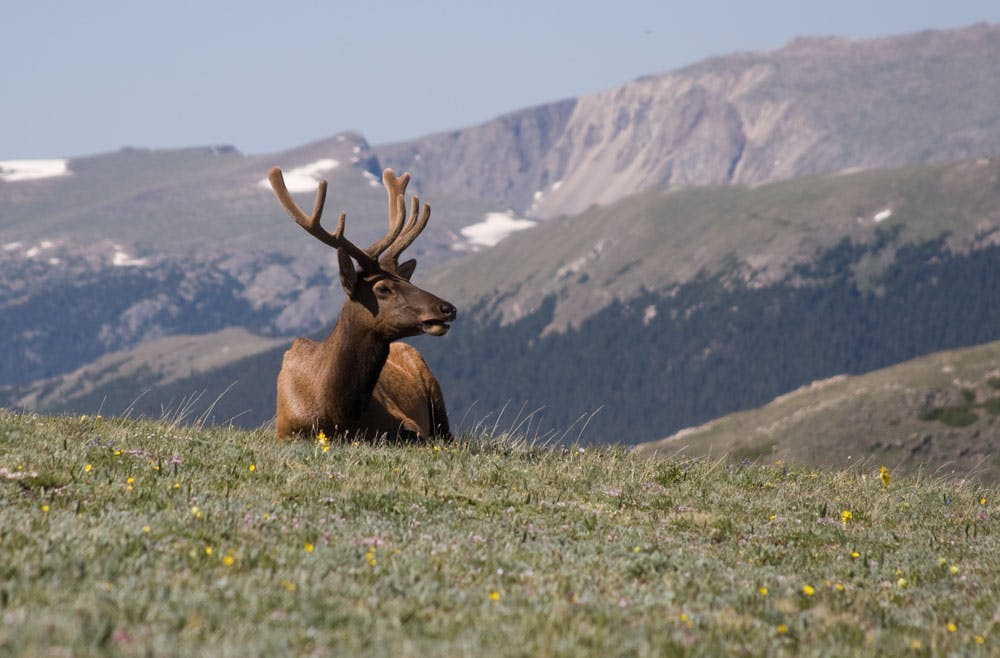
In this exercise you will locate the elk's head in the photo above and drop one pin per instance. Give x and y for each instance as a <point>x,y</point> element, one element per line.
<point>379,283</point>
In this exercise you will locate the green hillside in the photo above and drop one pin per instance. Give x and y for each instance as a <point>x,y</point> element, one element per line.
<point>117,383</point>
<point>939,414</point>
<point>127,539</point>
<point>754,236</point>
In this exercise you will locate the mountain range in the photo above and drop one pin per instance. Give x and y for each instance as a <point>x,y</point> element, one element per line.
<point>626,264</point>
<point>816,106</point>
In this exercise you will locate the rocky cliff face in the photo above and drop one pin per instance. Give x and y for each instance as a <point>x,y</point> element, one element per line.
<point>815,106</point>
<point>504,160</point>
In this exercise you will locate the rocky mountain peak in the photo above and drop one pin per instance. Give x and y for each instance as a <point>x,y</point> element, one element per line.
<point>818,105</point>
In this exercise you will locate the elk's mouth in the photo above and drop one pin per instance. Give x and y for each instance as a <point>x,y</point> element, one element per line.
<point>435,327</point>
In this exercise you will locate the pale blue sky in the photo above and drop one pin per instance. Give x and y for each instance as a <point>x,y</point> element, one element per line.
<point>88,77</point>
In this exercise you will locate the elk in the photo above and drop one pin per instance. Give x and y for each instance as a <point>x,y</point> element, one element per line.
<point>360,381</point>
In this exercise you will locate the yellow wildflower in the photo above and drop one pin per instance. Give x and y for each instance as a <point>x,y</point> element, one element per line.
<point>494,596</point>
<point>228,559</point>
<point>252,468</point>
<point>323,441</point>
<point>782,629</point>
<point>309,547</point>
<point>855,555</point>
<point>762,590</point>
<point>45,509</point>
<point>289,585</point>
<point>196,512</point>
<point>808,590</point>
<point>979,639</point>
<point>87,468</point>
<point>884,474</point>
<point>208,550</point>
<point>982,500</point>
<point>846,516</point>
<point>146,528</point>
<point>901,583</point>
<point>951,627</point>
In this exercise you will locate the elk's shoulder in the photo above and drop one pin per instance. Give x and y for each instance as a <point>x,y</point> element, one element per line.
<point>405,358</point>
<point>301,348</point>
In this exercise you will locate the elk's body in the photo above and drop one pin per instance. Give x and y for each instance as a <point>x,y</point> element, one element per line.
<point>359,381</point>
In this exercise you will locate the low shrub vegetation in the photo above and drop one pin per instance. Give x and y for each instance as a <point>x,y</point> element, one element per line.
<point>135,538</point>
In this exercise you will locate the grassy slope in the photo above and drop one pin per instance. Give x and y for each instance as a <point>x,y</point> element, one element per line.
<point>655,240</point>
<point>120,538</point>
<point>872,418</point>
<point>150,366</point>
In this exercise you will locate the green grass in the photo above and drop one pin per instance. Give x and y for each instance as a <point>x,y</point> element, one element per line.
<point>134,538</point>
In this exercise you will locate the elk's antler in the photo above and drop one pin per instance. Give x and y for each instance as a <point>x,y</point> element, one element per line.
<point>311,223</point>
<point>404,235</point>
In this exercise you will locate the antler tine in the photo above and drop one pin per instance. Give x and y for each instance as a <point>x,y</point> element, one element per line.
<point>416,225</point>
<point>396,189</point>
<point>311,223</point>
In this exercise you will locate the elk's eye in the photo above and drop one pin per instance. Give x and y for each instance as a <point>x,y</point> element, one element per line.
<point>382,289</point>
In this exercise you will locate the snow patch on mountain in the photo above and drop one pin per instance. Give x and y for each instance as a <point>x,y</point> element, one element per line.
<point>33,252</point>
<point>495,227</point>
<point>121,259</point>
<point>14,171</point>
<point>882,215</point>
<point>305,178</point>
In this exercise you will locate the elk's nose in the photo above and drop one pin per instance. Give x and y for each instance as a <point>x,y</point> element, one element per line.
<point>448,310</point>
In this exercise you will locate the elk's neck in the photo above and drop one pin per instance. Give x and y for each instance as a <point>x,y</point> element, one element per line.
<point>354,360</point>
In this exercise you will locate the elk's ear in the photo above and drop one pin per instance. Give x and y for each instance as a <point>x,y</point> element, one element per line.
<point>405,269</point>
<point>348,274</point>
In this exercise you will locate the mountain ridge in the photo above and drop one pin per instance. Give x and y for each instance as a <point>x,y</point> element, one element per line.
<point>746,118</point>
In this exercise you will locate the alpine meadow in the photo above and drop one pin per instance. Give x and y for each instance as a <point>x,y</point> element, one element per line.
<point>134,538</point>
